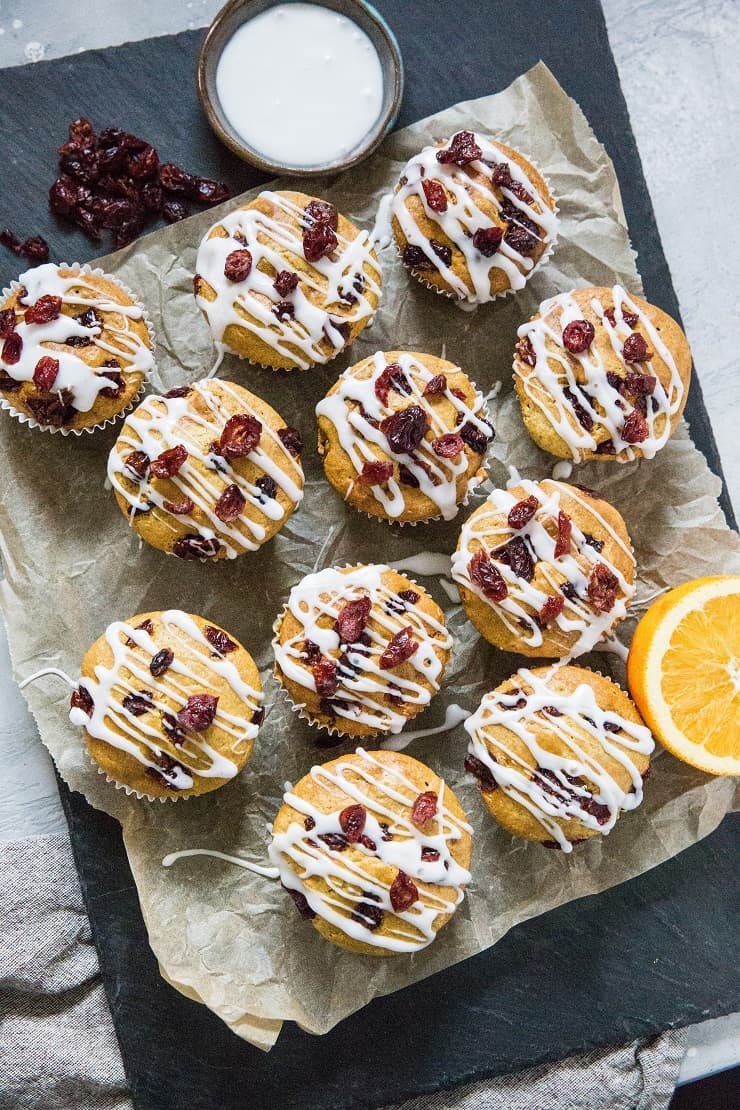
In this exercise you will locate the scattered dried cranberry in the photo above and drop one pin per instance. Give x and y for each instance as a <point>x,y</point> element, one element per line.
<point>582,415</point>
<point>405,430</point>
<point>593,542</point>
<point>82,699</point>
<point>521,240</point>
<point>311,651</point>
<point>521,513</point>
<point>565,527</point>
<point>267,487</point>
<point>478,768</point>
<point>196,547</point>
<point>10,240</point>
<point>630,318</point>
<point>241,435</point>
<point>322,212</point>
<point>174,210</point>
<point>7,322</point>
<point>352,822</point>
<point>436,197</point>
<point>484,574</point>
<point>325,677</point>
<point>335,842</point>
<point>403,892</point>
<point>429,855</point>
<point>8,384</point>
<point>402,647</point>
<point>501,175</point>
<point>161,662</point>
<point>172,730</point>
<point>487,240</point>
<point>391,377</point>
<point>137,463</point>
<point>301,903</point>
<point>238,265</point>
<point>517,555</point>
<point>640,384</point>
<point>178,391</point>
<point>375,473</point>
<point>56,412</point>
<point>416,259</point>
<point>12,348</point>
<point>230,504</point>
<point>442,251</point>
<point>407,478</point>
<point>365,913</point>
<point>448,446</point>
<point>476,440</point>
<point>45,310</point>
<point>352,618</point>
<point>635,349</point>
<point>602,588</point>
<point>525,351</point>
<point>552,608</point>
<point>635,428</point>
<point>199,712</point>
<point>169,462</point>
<point>424,807</point>
<point>462,149</point>
<point>45,373</point>
<point>219,641</point>
<point>318,242</point>
<point>138,704</point>
<point>368,843</point>
<point>410,596</point>
<point>285,282</point>
<point>435,385</point>
<point>204,191</point>
<point>578,336</point>
<point>292,440</point>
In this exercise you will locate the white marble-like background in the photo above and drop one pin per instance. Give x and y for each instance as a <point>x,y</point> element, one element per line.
<point>678,64</point>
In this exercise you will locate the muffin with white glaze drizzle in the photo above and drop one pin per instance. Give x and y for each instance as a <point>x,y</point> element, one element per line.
<point>472,218</point>
<point>170,705</point>
<point>360,650</point>
<point>601,374</point>
<point>403,436</point>
<point>559,752</point>
<point>544,569</point>
<point>287,281</point>
<point>208,471</point>
<point>374,849</point>
<point>75,349</point>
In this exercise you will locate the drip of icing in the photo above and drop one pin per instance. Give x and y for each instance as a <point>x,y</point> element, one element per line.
<point>454,715</point>
<point>268,872</point>
<point>488,528</point>
<point>382,233</point>
<point>355,399</point>
<point>464,216</point>
<point>555,371</point>
<point>612,646</point>
<point>363,684</point>
<point>562,471</point>
<point>84,382</point>
<point>299,855</point>
<point>43,673</point>
<point>160,423</point>
<point>426,564</point>
<point>168,693</point>
<point>555,798</point>
<point>351,270</point>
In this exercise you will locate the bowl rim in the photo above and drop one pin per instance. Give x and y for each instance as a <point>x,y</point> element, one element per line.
<point>229,137</point>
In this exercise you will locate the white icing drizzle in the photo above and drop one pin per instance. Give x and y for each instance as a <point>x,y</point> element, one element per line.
<point>610,645</point>
<point>488,528</point>
<point>54,671</point>
<point>557,369</point>
<point>271,241</point>
<point>186,853</point>
<point>454,715</point>
<point>428,564</point>
<point>299,855</point>
<point>160,423</point>
<point>562,471</point>
<point>363,684</point>
<point>141,736</point>
<point>84,382</point>
<point>464,216</point>
<point>360,439</point>
<point>553,798</point>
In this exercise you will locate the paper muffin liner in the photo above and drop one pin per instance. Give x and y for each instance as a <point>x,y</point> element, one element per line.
<point>128,790</point>
<point>30,421</point>
<point>333,730</point>
<point>290,369</point>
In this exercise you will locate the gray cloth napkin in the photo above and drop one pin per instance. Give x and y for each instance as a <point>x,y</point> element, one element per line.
<point>58,1048</point>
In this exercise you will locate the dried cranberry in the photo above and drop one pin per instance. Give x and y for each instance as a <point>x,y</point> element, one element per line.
<point>416,259</point>
<point>407,478</point>
<point>442,251</point>
<point>285,282</point>
<point>368,843</point>
<point>318,242</point>
<point>365,913</point>
<point>521,513</point>
<point>448,446</point>
<point>63,196</point>
<point>517,555</point>
<point>219,641</point>
<point>375,473</point>
<point>612,726</point>
<point>199,712</point>
<point>116,388</point>
<point>335,842</point>
<point>593,542</point>
<point>173,179</point>
<point>410,596</point>
<point>565,527</point>
<point>301,903</point>
<point>635,428</point>
<point>405,430</point>
<point>56,412</point>
<point>487,240</point>
<point>7,322</point>
<point>138,704</point>
<point>325,677</point>
<point>178,508</point>
<point>352,822</point>
<point>292,440</point>
<point>630,318</point>
<point>429,855</point>
<point>476,440</point>
<point>401,647</point>
<point>196,547</point>
<point>635,349</point>
<point>582,415</point>
<point>525,351</point>
<point>8,384</point>
<point>501,175</point>
<point>82,699</point>
<point>161,662</point>
<point>45,373</point>
<point>484,574</point>
<point>640,384</point>
<point>267,487</point>
<point>44,310</point>
<point>152,198</point>
<point>284,310</point>
<point>205,191</point>
<point>435,385</point>
<point>240,436</point>
<point>602,588</point>
<point>238,265</point>
<point>230,504</point>
<point>10,240</point>
<point>578,336</point>
<point>311,651</point>
<point>352,618</point>
<point>436,197</point>
<point>35,249</point>
<point>424,807</point>
<point>552,608</point>
<point>606,447</point>
<point>174,210</point>
<point>322,212</point>
<point>521,240</point>
<point>169,462</point>
<point>391,377</point>
<point>478,768</point>
<point>143,163</point>
<point>137,463</point>
<point>403,892</point>
<point>462,149</point>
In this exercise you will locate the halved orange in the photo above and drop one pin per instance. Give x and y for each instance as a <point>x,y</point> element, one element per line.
<point>683,672</point>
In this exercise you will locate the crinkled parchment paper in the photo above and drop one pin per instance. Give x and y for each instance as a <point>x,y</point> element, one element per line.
<point>225,935</point>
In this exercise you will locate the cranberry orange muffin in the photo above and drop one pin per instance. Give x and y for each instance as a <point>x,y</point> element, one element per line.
<point>559,752</point>
<point>403,436</point>
<point>208,471</point>
<point>545,569</point>
<point>360,650</point>
<point>472,218</point>
<point>286,281</point>
<point>75,348</point>
<point>374,849</point>
<point>601,374</point>
<point>170,705</point>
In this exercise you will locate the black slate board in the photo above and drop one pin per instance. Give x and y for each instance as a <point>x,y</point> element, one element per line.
<point>659,951</point>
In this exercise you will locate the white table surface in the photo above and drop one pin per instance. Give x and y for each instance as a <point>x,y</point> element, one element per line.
<point>677,62</point>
